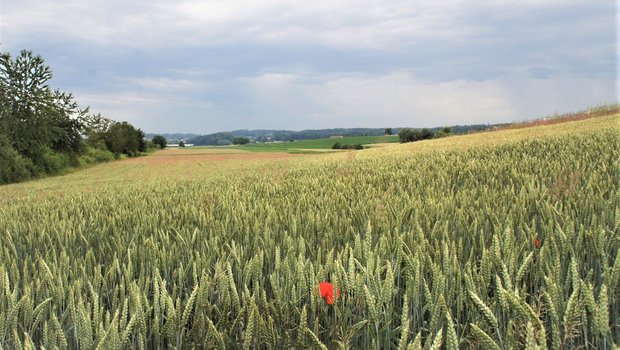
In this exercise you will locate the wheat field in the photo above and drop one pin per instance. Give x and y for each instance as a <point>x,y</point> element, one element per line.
<point>496,240</point>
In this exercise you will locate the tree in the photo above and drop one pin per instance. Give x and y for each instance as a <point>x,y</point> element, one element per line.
<point>447,131</point>
<point>13,166</point>
<point>124,138</point>
<point>338,145</point>
<point>181,144</point>
<point>40,127</point>
<point>44,130</point>
<point>96,123</point>
<point>426,134</point>
<point>241,140</point>
<point>218,138</point>
<point>388,131</point>
<point>160,141</point>
<point>36,118</point>
<point>409,135</point>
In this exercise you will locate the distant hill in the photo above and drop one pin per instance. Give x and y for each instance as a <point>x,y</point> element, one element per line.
<point>266,135</point>
<point>172,136</point>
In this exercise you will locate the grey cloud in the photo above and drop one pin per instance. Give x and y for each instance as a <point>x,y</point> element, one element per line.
<point>212,65</point>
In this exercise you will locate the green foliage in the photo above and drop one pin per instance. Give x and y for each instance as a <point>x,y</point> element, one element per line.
<point>93,155</point>
<point>42,130</point>
<point>34,117</point>
<point>13,166</point>
<point>123,138</point>
<point>159,141</point>
<point>411,135</point>
<point>54,162</point>
<point>426,134</point>
<point>216,139</point>
<point>316,144</point>
<point>338,145</point>
<point>240,140</point>
<point>446,131</point>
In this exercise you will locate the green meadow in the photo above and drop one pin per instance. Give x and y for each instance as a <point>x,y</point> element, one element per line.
<point>316,144</point>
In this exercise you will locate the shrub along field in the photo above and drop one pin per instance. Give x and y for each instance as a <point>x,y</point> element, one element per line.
<point>507,239</point>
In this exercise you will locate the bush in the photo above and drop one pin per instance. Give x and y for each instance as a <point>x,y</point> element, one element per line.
<point>84,160</point>
<point>338,145</point>
<point>13,166</point>
<point>409,135</point>
<point>96,155</point>
<point>241,140</point>
<point>54,162</point>
<point>124,138</point>
<point>412,135</point>
<point>426,134</point>
<point>160,141</point>
<point>443,132</point>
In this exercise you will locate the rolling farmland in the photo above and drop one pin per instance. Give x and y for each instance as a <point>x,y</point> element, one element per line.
<point>497,240</point>
<point>316,144</point>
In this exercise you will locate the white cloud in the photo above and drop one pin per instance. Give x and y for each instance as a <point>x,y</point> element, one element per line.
<point>395,99</point>
<point>400,99</point>
<point>166,84</point>
<point>306,100</point>
<point>339,24</point>
<point>165,24</point>
<point>534,98</point>
<point>122,98</point>
<point>210,65</point>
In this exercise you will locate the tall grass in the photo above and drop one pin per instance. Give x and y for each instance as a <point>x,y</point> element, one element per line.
<point>430,250</point>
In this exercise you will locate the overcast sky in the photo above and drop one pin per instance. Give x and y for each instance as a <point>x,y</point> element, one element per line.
<point>206,66</point>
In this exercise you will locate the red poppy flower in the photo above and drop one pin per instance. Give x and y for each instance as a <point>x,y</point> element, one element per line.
<point>537,243</point>
<point>326,290</point>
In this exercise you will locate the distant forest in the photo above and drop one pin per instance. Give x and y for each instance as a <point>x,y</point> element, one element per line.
<point>226,138</point>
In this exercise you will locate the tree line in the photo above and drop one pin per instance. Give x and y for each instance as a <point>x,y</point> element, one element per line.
<point>227,138</point>
<point>412,135</point>
<point>44,131</point>
<point>338,145</point>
